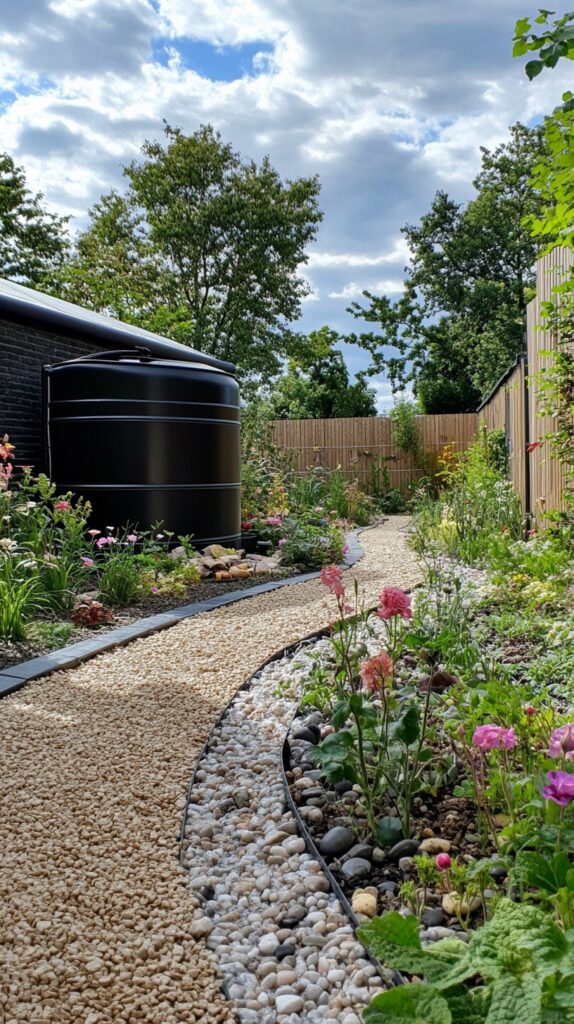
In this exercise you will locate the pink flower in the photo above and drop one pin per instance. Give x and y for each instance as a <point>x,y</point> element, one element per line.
<point>281,542</point>
<point>159,536</point>
<point>131,537</point>
<point>62,506</point>
<point>154,590</point>
<point>443,861</point>
<point>559,788</point>
<point>394,602</point>
<point>562,742</point>
<point>273,520</point>
<point>88,562</point>
<point>94,533</point>
<point>332,577</point>
<point>489,737</point>
<point>101,543</point>
<point>375,671</point>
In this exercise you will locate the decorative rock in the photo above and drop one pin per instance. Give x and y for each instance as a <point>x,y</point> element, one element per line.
<point>499,874</point>
<point>434,845</point>
<point>201,928</point>
<point>267,945</point>
<point>433,918</point>
<point>406,865</point>
<point>343,787</point>
<point>453,904</point>
<point>364,903</point>
<point>360,850</point>
<point>391,887</point>
<point>294,915</point>
<point>404,848</point>
<point>336,842</point>
<point>308,733</point>
<point>355,869</point>
<point>285,949</point>
<point>289,1003</point>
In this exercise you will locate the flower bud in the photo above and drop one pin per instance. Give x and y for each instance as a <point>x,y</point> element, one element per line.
<point>443,861</point>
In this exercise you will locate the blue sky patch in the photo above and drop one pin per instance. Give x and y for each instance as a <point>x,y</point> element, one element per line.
<point>219,64</point>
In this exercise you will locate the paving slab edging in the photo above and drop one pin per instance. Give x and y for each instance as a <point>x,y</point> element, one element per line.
<point>16,676</point>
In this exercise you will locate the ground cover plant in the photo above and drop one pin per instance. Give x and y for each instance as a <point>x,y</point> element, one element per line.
<point>435,766</point>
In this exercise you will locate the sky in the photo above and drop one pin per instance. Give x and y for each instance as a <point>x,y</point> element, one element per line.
<point>387,102</point>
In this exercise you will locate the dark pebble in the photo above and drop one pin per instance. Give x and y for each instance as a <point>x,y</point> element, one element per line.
<point>433,918</point>
<point>355,869</point>
<point>499,874</point>
<point>406,848</point>
<point>285,949</point>
<point>337,841</point>
<point>313,793</point>
<point>343,787</point>
<point>391,887</point>
<point>293,917</point>
<point>310,736</point>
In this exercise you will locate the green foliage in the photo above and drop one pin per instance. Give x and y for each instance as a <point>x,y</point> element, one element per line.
<point>458,325</point>
<point>405,428</point>
<point>119,577</point>
<point>520,964</point>
<point>203,247</point>
<point>551,44</point>
<point>21,596</point>
<point>33,242</point>
<point>316,386</point>
<point>264,465</point>
<point>330,492</point>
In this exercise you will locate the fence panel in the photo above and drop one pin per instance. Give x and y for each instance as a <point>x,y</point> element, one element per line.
<point>364,447</point>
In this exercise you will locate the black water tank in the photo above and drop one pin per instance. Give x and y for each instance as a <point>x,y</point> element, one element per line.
<point>147,440</point>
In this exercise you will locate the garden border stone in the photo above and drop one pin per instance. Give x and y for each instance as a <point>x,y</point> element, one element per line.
<point>14,677</point>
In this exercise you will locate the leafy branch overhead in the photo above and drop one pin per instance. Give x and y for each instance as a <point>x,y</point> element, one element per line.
<point>204,247</point>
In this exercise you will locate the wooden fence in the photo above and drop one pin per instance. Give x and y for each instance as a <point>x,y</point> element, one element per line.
<point>514,404</point>
<point>364,447</point>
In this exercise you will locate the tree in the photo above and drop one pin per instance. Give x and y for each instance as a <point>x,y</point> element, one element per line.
<point>459,323</point>
<point>32,240</point>
<point>204,247</point>
<point>316,385</point>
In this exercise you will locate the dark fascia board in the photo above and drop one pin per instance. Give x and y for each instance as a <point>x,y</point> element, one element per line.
<point>25,305</point>
<point>521,358</point>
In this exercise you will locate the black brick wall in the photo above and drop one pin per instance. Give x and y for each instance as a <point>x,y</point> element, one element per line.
<point>24,350</point>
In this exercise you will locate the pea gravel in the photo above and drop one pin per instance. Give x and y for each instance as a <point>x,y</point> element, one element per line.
<point>97,918</point>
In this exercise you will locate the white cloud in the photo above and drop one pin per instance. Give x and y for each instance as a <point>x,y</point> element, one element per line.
<point>399,254</point>
<point>354,289</point>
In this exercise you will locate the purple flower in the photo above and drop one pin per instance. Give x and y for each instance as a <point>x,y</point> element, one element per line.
<point>562,742</point>
<point>489,737</point>
<point>346,549</point>
<point>281,542</point>
<point>559,788</point>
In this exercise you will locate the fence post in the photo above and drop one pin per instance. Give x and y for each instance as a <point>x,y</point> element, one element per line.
<point>526,454</point>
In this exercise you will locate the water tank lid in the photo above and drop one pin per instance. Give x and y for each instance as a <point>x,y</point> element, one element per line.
<point>140,356</point>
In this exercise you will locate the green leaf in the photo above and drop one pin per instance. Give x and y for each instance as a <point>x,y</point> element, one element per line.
<point>533,68</point>
<point>417,1004</point>
<point>518,938</point>
<point>515,1000</point>
<point>395,941</point>
<point>520,48</point>
<point>340,714</point>
<point>466,1006</point>
<point>534,870</point>
<point>522,27</point>
<point>406,729</point>
<point>389,831</point>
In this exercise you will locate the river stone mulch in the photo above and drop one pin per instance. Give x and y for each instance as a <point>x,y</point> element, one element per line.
<point>98,924</point>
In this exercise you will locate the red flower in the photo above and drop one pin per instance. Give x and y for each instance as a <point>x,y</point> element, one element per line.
<point>394,602</point>
<point>62,506</point>
<point>533,445</point>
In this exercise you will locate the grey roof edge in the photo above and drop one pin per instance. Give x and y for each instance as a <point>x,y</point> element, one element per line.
<point>26,305</point>
<point>14,677</point>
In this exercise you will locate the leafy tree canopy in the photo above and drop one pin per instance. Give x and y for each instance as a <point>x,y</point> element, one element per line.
<point>32,241</point>
<point>203,247</point>
<point>459,323</point>
<point>316,384</point>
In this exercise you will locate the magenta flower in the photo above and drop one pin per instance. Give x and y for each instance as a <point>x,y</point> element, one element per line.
<point>346,549</point>
<point>443,861</point>
<point>562,742</point>
<point>394,602</point>
<point>273,520</point>
<point>375,671</point>
<point>88,562</point>
<point>332,577</point>
<point>559,788</point>
<point>489,737</point>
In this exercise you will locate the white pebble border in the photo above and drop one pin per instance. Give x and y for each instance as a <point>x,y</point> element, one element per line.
<point>254,866</point>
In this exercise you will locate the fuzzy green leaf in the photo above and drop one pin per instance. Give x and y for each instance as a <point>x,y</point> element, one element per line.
<point>395,941</point>
<point>515,1000</point>
<point>415,1004</point>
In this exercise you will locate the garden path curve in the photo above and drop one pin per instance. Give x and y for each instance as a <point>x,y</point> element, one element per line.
<point>94,764</point>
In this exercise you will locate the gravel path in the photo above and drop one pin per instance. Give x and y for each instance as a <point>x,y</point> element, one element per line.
<point>94,763</point>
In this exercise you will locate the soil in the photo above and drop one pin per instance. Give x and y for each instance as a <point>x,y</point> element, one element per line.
<point>17,652</point>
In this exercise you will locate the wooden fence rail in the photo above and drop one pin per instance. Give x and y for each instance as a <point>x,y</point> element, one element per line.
<point>365,448</point>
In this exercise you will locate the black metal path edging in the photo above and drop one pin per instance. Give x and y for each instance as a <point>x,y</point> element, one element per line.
<point>14,677</point>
